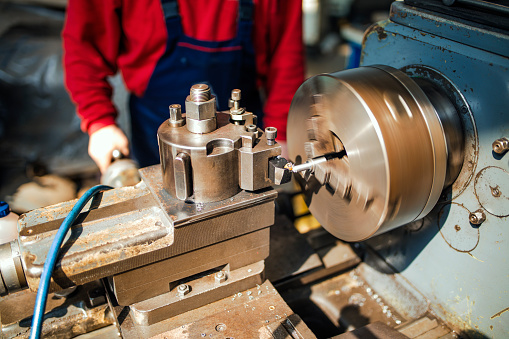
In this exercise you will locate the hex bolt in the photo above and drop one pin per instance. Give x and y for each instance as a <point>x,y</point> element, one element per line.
<point>182,290</point>
<point>220,277</point>
<point>500,146</point>
<point>200,93</point>
<point>251,128</point>
<point>477,217</point>
<point>271,135</point>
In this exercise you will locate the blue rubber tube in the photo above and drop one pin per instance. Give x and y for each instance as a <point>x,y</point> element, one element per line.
<point>51,259</point>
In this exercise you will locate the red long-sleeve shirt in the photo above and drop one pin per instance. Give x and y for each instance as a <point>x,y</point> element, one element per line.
<point>103,36</point>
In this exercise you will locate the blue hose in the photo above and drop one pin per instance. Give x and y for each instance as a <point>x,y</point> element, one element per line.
<point>49,265</point>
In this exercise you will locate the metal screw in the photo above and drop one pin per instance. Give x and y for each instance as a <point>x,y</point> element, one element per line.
<point>220,327</point>
<point>500,146</point>
<point>236,95</point>
<point>176,119</point>
<point>200,93</point>
<point>271,135</point>
<point>251,128</point>
<point>477,217</point>
<point>235,103</point>
<point>220,276</point>
<point>175,112</point>
<point>182,290</point>
<point>495,192</point>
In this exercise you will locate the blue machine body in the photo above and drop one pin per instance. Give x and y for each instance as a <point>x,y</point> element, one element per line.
<point>462,270</point>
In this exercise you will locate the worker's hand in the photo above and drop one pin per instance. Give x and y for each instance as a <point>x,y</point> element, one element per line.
<point>102,143</point>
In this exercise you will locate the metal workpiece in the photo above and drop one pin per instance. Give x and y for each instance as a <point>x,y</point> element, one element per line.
<point>117,231</point>
<point>200,110</point>
<point>393,154</point>
<point>221,163</point>
<point>176,119</point>
<point>12,276</point>
<point>500,146</point>
<point>121,172</point>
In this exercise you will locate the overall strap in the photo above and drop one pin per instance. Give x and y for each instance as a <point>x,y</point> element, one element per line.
<point>170,9</point>
<point>246,10</point>
<point>245,21</point>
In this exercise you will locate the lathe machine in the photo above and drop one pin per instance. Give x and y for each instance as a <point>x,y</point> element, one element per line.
<point>404,157</point>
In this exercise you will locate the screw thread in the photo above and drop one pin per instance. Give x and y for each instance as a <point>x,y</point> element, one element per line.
<point>200,93</point>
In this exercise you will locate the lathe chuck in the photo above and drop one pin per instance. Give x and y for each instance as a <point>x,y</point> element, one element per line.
<point>393,142</point>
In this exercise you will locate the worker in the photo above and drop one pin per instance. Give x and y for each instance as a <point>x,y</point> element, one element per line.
<point>163,47</point>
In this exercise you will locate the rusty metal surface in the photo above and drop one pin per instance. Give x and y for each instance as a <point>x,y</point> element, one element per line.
<point>158,278</point>
<point>127,229</point>
<point>64,317</point>
<point>492,190</point>
<point>259,312</point>
<point>340,304</point>
<point>130,227</point>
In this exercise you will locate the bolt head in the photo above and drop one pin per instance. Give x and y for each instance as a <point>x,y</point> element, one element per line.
<point>271,133</point>
<point>251,128</point>
<point>477,217</point>
<point>220,276</point>
<point>200,110</point>
<point>236,94</point>
<point>182,290</point>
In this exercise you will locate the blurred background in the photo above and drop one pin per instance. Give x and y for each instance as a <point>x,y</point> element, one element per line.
<point>43,152</point>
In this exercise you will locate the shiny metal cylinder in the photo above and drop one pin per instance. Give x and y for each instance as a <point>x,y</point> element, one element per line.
<point>201,126</point>
<point>12,275</point>
<point>398,156</point>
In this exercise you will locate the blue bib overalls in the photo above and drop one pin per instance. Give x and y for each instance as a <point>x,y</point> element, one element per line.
<point>223,65</point>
